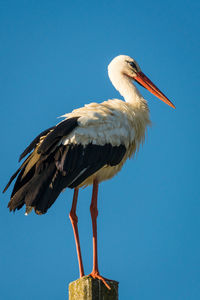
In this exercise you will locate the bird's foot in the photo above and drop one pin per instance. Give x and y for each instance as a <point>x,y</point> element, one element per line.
<point>96,275</point>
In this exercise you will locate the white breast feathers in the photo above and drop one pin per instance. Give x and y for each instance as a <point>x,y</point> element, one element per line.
<point>113,121</point>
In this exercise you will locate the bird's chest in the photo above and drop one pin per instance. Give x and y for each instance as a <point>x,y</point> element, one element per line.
<point>132,139</point>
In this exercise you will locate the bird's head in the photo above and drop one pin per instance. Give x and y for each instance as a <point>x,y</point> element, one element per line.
<point>124,64</point>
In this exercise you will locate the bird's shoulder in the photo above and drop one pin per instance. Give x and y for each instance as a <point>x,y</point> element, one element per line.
<point>100,123</point>
<point>105,112</point>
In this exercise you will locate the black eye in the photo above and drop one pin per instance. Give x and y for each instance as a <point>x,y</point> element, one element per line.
<point>132,64</point>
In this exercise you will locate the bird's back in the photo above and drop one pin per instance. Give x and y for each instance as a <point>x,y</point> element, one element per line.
<point>113,121</point>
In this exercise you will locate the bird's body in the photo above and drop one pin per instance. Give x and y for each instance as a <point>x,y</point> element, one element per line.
<point>89,146</point>
<point>113,122</point>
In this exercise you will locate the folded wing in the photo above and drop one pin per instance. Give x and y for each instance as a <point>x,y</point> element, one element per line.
<point>56,164</point>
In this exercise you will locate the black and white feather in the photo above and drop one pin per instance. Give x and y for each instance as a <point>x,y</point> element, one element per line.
<point>93,142</point>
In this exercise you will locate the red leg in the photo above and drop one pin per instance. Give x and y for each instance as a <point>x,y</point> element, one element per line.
<point>74,220</point>
<point>94,214</point>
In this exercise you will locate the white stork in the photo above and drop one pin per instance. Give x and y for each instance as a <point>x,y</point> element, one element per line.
<point>89,146</point>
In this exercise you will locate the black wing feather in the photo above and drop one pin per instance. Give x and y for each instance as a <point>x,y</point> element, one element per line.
<point>61,130</point>
<point>35,142</point>
<point>57,166</point>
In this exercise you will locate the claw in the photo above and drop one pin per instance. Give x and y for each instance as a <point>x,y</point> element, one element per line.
<point>96,275</point>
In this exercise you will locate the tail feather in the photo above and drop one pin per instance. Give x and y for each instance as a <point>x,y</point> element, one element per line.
<point>17,172</point>
<point>50,195</point>
<point>39,181</point>
<point>11,180</point>
<point>32,188</point>
<point>38,188</point>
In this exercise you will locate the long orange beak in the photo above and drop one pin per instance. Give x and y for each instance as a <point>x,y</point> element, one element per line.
<point>146,82</point>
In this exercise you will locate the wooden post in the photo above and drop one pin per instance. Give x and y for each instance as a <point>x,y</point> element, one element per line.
<point>87,288</point>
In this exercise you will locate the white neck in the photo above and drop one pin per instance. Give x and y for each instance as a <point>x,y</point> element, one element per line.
<point>125,86</point>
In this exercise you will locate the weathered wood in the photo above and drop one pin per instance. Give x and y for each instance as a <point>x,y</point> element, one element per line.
<point>87,288</point>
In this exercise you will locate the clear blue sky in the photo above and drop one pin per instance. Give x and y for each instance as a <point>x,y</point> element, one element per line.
<point>54,57</point>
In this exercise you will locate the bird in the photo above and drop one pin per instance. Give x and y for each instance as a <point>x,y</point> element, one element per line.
<point>90,145</point>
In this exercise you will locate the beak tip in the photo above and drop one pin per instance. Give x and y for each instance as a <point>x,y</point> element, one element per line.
<point>173,106</point>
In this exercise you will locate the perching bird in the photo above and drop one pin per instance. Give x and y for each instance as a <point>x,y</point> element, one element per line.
<point>89,146</point>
